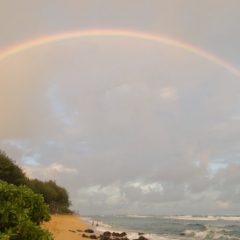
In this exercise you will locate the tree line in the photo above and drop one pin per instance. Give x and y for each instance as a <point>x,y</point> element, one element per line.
<point>25,203</point>
<point>56,197</point>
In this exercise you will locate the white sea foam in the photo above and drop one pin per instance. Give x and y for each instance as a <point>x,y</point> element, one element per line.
<point>102,227</point>
<point>138,216</point>
<point>229,218</point>
<point>201,235</point>
<point>189,217</point>
<point>132,235</point>
<point>210,233</point>
<point>86,220</point>
<point>205,218</point>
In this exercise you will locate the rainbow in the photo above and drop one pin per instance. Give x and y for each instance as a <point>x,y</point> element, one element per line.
<point>117,33</point>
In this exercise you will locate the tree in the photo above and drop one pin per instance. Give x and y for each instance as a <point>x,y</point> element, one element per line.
<point>9,171</point>
<point>55,196</point>
<point>61,201</point>
<point>43,188</point>
<point>21,211</point>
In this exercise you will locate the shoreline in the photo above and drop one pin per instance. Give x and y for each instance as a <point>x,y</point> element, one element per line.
<point>73,227</point>
<point>65,227</point>
<point>152,227</point>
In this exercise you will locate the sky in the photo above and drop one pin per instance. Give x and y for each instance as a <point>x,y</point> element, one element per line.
<point>127,124</point>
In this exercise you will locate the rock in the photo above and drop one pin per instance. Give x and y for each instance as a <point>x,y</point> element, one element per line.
<point>84,235</point>
<point>79,230</point>
<point>107,234</point>
<point>140,234</point>
<point>142,238</point>
<point>88,230</point>
<point>115,234</point>
<point>102,237</point>
<point>121,235</point>
<point>93,237</point>
<point>182,234</point>
<point>71,231</point>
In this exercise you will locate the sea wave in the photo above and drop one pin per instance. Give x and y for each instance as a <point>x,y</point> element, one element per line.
<point>169,227</point>
<point>229,218</point>
<point>138,216</point>
<point>190,217</point>
<point>197,226</point>
<point>102,227</point>
<point>209,235</point>
<point>204,218</point>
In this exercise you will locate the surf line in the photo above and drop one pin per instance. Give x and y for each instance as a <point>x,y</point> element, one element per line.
<point>117,33</point>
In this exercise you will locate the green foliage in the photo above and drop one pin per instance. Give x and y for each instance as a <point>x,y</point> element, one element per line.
<point>43,188</point>
<point>9,171</point>
<point>21,211</point>
<point>55,197</point>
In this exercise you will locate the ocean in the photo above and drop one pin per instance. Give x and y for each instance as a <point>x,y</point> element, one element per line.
<point>169,227</point>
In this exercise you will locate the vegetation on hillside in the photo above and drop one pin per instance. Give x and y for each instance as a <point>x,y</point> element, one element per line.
<point>25,203</point>
<point>54,196</point>
<point>9,171</point>
<point>21,211</point>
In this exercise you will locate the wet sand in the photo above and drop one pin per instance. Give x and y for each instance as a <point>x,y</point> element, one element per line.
<point>59,226</point>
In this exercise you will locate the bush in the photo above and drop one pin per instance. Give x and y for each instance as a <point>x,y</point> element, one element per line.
<point>9,171</point>
<point>55,197</point>
<point>21,212</point>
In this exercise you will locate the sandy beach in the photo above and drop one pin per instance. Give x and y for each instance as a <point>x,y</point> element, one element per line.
<point>59,226</point>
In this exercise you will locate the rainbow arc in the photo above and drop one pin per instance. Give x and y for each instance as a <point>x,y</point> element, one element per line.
<point>118,33</point>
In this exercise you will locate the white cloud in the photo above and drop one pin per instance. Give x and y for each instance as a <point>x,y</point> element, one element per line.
<point>146,188</point>
<point>48,172</point>
<point>168,93</point>
<point>223,204</point>
<point>60,168</point>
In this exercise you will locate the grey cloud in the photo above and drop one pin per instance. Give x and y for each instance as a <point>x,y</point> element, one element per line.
<point>169,193</point>
<point>112,119</point>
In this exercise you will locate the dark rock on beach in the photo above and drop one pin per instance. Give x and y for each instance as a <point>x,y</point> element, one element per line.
<point>102,237</point>
<point>93,237</point>
<point>88,230</point>
<point>84,235</point>
<point>107,234</point>
<point>121,235</point>
<point>115,236</point>
<point>142,238</point>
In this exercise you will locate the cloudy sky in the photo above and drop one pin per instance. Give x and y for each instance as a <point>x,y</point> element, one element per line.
<point>126,124</point>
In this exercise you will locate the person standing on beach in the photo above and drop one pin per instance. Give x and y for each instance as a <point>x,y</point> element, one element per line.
<point>93,223</point>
